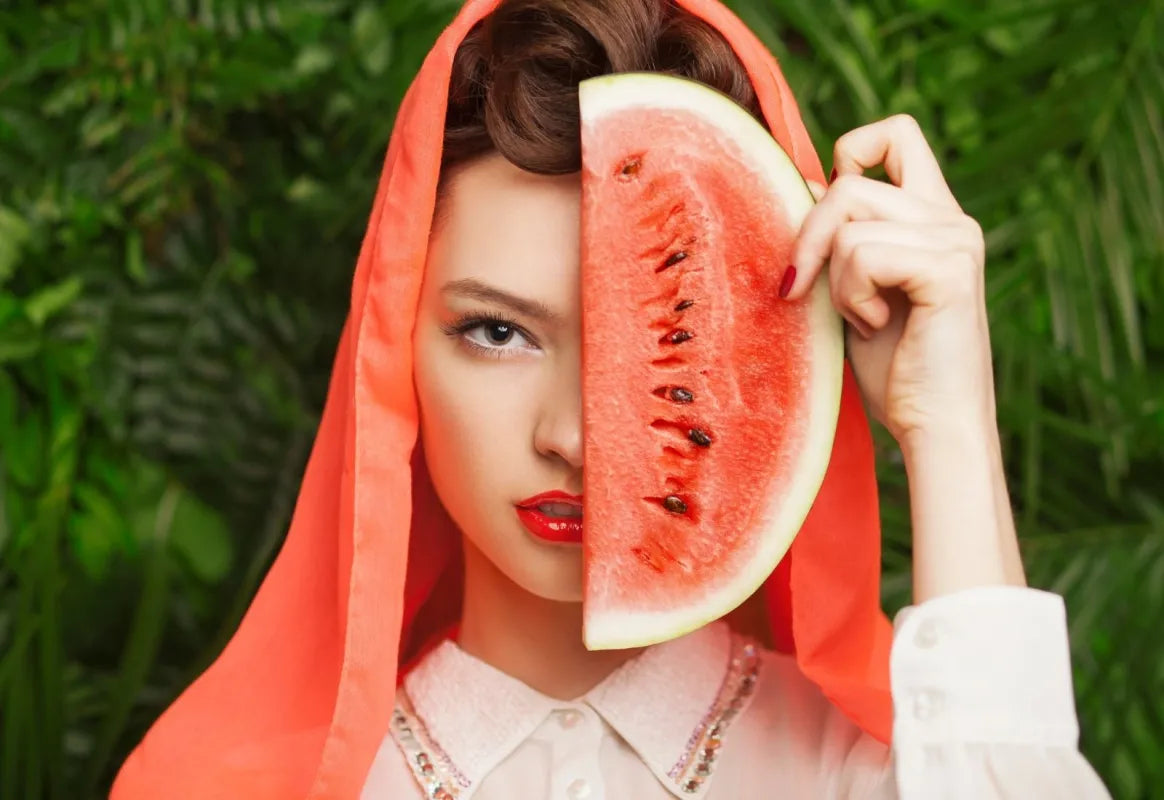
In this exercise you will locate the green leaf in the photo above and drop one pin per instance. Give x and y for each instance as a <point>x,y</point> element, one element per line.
<point>14,233</point>
<point>9,404</point>
<point>52,299</point>
<point>201,539</point>
<point>24,451</point>
<point>372,38</point>
<point>313,60</point>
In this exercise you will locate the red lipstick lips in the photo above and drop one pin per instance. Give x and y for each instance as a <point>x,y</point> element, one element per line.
<point>553,516</point>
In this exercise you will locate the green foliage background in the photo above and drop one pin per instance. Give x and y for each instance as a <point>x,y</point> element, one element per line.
<point>183,188</point>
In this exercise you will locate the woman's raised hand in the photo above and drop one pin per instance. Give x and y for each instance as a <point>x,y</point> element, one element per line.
<point>905,268</point>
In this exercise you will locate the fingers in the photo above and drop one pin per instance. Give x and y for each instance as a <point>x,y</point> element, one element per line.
<point>908,234</point>
<point>899,144</point>
<point>939,237</point>
<point>856,198</point>
<point>929,276</point>
<point>859,300</point>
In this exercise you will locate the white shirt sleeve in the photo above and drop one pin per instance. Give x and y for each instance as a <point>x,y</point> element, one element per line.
<point>983,701</point>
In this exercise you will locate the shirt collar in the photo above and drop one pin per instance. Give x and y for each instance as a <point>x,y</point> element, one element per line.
<point>671,703</point>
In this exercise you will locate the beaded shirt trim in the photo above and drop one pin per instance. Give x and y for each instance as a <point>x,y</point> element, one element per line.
<point>433,769</point>
<point>695,765</point>
<point>440,779</point>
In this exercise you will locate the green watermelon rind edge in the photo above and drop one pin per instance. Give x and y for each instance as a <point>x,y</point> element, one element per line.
<point>606,94</point>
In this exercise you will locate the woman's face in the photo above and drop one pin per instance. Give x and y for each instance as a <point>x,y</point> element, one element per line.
<point>497,351</point>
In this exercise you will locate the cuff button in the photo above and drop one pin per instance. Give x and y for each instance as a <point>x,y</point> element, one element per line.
<point>927,704</point>
<point>926,635</point>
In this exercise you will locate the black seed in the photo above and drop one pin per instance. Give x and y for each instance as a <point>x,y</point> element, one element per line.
<point>674,504</point>
<point>681,395</point>
<point>684,304</point>
<point>680,336</point>
<point>631,166</point>
<point>675,258</point>
<point>699,437</point>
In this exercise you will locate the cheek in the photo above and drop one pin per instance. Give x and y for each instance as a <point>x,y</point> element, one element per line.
<point>477,425</point>
<point>475,417</point>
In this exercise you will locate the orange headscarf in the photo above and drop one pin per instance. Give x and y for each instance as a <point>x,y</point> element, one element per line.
<point>300,699</point>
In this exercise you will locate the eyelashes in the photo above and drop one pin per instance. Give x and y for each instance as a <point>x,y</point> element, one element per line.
<point>464,324</point>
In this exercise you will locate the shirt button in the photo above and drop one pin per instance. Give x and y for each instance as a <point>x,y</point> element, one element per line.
<point>569,719</point>
<point>927,704</point>
<point>578,790</point>
<point>927,634</point>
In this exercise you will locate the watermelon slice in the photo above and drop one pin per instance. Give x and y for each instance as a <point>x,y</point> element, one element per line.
<point>710,404</point>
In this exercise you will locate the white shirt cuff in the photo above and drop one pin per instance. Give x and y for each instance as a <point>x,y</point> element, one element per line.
<point>989,664</point>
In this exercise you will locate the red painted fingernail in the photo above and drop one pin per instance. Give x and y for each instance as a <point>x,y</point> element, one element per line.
<point>833,175</point>
<point>787,281</point>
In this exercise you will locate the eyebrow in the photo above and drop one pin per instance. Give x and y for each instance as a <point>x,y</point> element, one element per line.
<point>476,290</point>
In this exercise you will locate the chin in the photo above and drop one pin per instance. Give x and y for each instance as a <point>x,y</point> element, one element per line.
<point>558,594</point>
<point>548,571</point>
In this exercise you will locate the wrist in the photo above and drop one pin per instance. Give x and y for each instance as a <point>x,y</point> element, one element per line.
<point>963,532</point>
<point>974,431</point>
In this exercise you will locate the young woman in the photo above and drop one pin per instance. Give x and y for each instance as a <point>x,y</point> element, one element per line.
<point>415,639</point>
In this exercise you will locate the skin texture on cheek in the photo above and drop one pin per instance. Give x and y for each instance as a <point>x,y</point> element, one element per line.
<point>501,425</point>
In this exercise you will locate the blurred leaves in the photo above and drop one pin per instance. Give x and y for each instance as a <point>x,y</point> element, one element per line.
<point>183,188</point>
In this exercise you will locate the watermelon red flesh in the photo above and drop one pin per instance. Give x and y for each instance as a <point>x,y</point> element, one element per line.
<point>709,404</point>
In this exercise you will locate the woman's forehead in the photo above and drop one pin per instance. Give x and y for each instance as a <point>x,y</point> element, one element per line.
<point>511,228</point>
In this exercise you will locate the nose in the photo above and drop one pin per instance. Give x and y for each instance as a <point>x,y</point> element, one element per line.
<point>558,432</point>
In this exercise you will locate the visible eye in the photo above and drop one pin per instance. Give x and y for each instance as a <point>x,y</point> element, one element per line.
<point>494,334</point>
<point>490,335</point>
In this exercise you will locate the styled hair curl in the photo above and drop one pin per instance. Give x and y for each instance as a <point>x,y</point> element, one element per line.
<point>514,86</point>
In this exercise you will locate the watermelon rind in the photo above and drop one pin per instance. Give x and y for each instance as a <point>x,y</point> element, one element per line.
<point>650,91</point>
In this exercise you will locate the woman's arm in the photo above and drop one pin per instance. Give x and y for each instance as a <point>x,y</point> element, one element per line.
<point>906,269</point>
<point>980,666</point>
<point>963,529</point>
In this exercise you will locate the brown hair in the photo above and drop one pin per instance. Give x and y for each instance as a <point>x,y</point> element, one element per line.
<point>514,86</point>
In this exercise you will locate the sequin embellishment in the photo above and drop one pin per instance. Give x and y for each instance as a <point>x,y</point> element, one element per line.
<point>440,779</point>
<point>431,767</point>
<point>698,760</point>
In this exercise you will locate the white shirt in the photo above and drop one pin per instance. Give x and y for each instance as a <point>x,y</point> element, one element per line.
<point>983,708</point>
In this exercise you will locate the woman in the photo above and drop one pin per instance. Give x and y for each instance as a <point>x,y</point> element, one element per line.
<point>413,639</point>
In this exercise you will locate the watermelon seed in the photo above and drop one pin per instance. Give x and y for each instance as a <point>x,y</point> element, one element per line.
<point>672,260</point>
<point>630,167</point>
<point>699,437</point>
<point>674,504</point>
<point>684,304</point>
<point>680,336</point>
<point>676,393</point>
